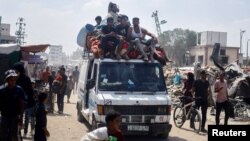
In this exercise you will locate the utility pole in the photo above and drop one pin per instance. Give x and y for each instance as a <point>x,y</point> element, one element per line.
<point>20,33</point>
<point>0,28</point>
<point>247,51</point>
<point>157,23</point>
<point>241,36</point>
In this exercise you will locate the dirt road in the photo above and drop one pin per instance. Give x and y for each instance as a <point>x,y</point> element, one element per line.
<point>66,128</point>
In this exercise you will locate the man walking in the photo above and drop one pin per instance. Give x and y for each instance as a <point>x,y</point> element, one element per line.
<point>201,89</point>
<point>11,107</point>
<point>220,88</point>
<point>75,76</point>
<point>25,83</point>
<point>60,95</point>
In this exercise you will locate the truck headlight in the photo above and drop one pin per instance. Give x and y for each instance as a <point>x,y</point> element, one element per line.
<point>100,109</point>
<point>165,110</point>
<point>162,110</point>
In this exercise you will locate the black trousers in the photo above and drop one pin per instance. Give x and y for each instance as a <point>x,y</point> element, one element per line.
<point>107,48</point>
<point>219,107</point>
<point>60,104</point>
<point>9,128</point>
<point>39,134</point>
<point>203,104</point>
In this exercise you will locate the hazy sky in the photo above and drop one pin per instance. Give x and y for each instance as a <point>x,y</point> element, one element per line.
<point>58,22</point>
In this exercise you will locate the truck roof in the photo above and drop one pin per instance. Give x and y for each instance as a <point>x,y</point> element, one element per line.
<point>123,60</point>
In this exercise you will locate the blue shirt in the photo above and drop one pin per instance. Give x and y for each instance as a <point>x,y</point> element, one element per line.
<point>177,79</point>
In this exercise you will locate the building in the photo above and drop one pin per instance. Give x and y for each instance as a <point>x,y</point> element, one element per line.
<point>212,37</point>
<point>55,56</point>
<point>203,50</point>
<point>5,37</point>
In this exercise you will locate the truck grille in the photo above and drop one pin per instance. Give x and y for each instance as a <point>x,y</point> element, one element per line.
<point>136,110</point>
<point>136,119</point>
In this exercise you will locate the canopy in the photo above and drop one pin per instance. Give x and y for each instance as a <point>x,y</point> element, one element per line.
<point>8,48</point>
<point>35,48</point>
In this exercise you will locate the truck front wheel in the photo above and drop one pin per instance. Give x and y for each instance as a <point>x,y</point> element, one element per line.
<point>80,117</point>
<point>94,124</point>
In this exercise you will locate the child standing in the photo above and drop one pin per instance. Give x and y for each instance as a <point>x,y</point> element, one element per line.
<point>41,132</point>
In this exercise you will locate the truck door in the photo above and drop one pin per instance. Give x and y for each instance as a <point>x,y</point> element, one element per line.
<point>82,82</point>
<point>92,96</point>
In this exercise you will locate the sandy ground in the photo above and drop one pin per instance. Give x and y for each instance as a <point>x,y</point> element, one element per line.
<point>66,127</point>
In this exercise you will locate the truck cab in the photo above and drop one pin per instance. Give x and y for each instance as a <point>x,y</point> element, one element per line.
<point>134,88</point>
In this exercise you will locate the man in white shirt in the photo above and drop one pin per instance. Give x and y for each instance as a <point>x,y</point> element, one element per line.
<point>222,98</point>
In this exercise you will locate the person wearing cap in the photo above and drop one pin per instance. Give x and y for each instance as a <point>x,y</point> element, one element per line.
<point>122,33</point>
<point>137,34</point>
<point>220,87</point>
<point>201,89</point>
<point>109,40</point>
<point>11,107</point>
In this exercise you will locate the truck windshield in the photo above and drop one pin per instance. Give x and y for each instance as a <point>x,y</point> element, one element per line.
<point>131,77</point>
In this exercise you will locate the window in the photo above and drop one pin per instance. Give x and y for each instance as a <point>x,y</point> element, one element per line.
<point>131,77</point>
<point>192,59</point>
<point>223,52</point>
<point>224,60</point>
<point>200,59</point>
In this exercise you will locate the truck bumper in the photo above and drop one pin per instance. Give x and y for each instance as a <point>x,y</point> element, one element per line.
<point>151,129</point>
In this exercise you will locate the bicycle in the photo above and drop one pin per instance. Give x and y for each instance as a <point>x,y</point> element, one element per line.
<point>181,115</point>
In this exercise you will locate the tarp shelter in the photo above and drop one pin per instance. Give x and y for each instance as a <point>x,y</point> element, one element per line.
<point>29,53</point>
<point>35,48</point>
<point>33,60</point>
<point>9,54</point>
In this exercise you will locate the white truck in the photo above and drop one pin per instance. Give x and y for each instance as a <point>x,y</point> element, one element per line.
<point>134,88</point>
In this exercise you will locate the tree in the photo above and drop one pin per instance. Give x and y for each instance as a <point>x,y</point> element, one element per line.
<point>176,42</point>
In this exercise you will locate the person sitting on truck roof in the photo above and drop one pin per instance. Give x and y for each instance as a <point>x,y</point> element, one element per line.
<point>137,35</point>
<point>113,12</point>
<point>109,39</point>
<point>122,32</point>
<point>98,20</point>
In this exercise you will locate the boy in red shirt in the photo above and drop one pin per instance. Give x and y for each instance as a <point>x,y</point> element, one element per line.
<point>110,132</point>
<point>113,121</point>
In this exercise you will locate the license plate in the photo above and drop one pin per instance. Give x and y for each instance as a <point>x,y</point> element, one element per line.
<point>137,128</point>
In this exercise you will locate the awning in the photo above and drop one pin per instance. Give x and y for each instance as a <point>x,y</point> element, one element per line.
<point>35,48</point>
<point>8,48</point>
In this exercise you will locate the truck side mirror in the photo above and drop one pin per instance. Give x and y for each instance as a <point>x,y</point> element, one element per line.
<point>90,83</point>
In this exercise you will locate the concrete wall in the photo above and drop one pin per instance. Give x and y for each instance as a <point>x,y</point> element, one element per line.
<point>206,52</point>
<point>232,54</point>
<point>198,51</point>
<point>55,55</point>
<point>212,37</point>
<point>5,29</point>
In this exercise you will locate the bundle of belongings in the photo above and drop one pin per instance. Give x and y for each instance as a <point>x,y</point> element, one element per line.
<point>115,38</point>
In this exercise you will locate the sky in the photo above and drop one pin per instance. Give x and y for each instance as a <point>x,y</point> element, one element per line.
<point>57,22</point>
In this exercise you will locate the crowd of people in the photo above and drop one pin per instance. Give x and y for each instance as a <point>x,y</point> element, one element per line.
<point>21,99</point>
<point>118,39</point>
<point>199,90</point>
